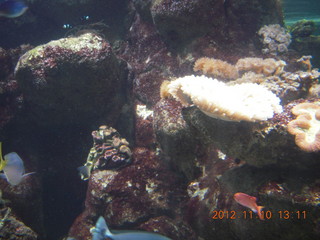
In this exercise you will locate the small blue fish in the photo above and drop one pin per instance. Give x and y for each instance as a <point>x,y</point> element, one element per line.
<point>13,169</point>
<point>102,232</point>
<point>12,8</point>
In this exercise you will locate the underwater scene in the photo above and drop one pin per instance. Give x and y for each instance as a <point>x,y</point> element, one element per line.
<point>159,119</point>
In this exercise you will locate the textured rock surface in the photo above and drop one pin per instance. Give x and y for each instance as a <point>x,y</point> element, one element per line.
<point>290,203</point>
<point>257,143</point>
<point>176,138</point>
<point>308,46</point>
<point>10,101</point>
<point>175,20</point>
<point>13,229</point>
<point>10,96</point>
<point>70,79</point>
<point>146,52</point>
<point>25,202</point>
<point>135,196</point>
<point>144,135</point>
<point>184,165</point>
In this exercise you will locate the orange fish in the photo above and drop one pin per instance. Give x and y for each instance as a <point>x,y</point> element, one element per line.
<point>249,202</point>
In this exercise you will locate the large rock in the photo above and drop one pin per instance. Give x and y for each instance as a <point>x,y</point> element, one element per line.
<point>175,20</point>
<point>69,80</point>
<point>137,196</point>
<point>21,207</point>
<point>258,144</point>
<point>180,22</point>
<point>176,137</point>
<point>14,229</point>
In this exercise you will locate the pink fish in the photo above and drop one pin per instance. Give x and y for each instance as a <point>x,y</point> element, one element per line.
<point>249,202</point>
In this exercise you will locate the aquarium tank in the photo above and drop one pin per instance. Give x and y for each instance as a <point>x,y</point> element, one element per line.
<point>159,120</point>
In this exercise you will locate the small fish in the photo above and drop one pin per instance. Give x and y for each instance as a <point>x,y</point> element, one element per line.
<point>13,168</point>
<point>102,232</point>
<point>85,172</point>
<point>249,202</point>
<point>12,8</point>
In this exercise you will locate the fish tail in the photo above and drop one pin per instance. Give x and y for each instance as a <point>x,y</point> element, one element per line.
<point>260,215</point>
<point>107,230</point>
<point>101,230</point>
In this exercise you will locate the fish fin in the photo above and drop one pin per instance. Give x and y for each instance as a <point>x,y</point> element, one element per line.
<point>27,174</point>
<point>105,226</point>
<point>259,208</point>
<point>102,227</point>
<point>101,230</point>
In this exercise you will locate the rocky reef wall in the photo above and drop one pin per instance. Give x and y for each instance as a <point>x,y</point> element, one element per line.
<point>90,90</point>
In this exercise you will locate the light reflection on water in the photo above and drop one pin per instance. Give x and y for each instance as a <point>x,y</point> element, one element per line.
<point>295,10</point>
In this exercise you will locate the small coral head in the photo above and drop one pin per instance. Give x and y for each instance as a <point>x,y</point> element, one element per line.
<point>306,127</point>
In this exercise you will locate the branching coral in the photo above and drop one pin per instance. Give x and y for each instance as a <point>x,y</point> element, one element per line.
<point>268,66</point>
<point>247,101</point>
<point>216,68</point>
<point>306,127</point>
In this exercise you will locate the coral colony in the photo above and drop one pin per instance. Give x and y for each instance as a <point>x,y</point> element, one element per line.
<point>189,119</point>
<point>275,39</point>
<point>246,101</point>
<point>109,151</point>
<point>306,127</point>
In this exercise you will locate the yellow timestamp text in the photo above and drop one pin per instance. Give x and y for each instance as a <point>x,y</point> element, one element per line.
<point>267,215</point>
